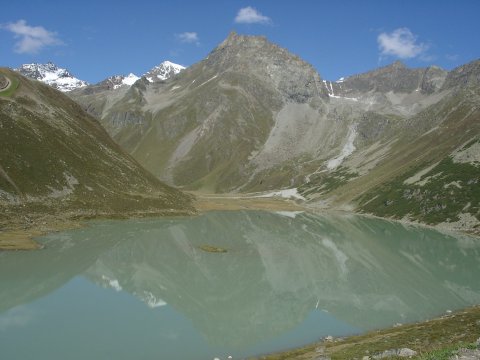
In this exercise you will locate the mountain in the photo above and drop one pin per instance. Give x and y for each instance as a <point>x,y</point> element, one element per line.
<point>201,128</point>
<point>270,115</point>
<point>99,97</point>
<point>58,161</point>
<point>116,81</point>
<point>426,165</point>
<point>253,117</point>
<point>163,71</point>
<point>61,79</point>
<point>51,74</point>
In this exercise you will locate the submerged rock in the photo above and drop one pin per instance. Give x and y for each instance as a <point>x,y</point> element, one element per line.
<point>212,249</point>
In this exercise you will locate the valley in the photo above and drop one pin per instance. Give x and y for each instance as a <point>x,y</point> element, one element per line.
<point>237,123</point>
<point>231,124</point>
<point>249,201</point>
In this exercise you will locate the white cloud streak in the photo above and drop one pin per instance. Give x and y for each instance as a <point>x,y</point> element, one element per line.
<point>400,43</point>
<point>31,39</point>
<point>19,316</point>
<point>249,15</point>
<point>188,37</point>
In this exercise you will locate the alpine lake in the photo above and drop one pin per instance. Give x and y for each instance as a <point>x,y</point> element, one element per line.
<point>226,284</point>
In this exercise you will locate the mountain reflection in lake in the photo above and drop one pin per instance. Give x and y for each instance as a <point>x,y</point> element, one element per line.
<point>144,288</point>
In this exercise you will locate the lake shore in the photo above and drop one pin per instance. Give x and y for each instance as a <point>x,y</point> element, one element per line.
<point>451,330</point>
<point>18,233</point>
<point>429,339</point>
<point>214,202</point>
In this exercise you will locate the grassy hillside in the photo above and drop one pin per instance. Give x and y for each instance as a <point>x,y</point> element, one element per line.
<point>58,160</point>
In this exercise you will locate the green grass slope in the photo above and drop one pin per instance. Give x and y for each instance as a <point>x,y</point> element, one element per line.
<point>56,159</point>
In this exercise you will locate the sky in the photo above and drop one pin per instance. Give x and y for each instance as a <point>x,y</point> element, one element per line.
<point>96,39</point>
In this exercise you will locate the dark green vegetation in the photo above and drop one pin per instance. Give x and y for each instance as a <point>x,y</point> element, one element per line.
<point>435,339</point>
<point>327,181</point>
<point>58,161</point>
<point>447,352</point>
<point>449,189</point>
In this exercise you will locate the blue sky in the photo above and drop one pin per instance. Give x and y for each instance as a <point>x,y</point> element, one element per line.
<point>96,39</point>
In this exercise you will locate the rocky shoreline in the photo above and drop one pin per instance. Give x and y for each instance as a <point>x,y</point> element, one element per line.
<point>451,336</point>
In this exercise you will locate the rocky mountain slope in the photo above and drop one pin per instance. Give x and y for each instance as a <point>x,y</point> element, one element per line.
<point>51,74</point>
<point>116,81</point>
<point>254,117</point>
<point>97,98</point>
<point>161,72</point>
<point>58,160</point>
<point>228,102</point>
<point>426,170</point>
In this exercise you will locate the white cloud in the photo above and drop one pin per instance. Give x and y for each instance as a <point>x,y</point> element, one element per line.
<point>249,15</point>
<point>188,37</point>
<point>401,43</point>
<point>31,39</point>
<point>16,317</point>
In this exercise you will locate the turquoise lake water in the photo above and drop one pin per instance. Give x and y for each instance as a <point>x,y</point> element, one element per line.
<point>143,289</point>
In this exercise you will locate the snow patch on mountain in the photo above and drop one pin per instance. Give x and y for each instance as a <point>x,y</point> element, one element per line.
<point>120,80</point>
<point>130,79</point>
<point>151,300</point>
<point>285,193</point>
<point>113,283</point>
<point>163,71</point>
<point>329,87</point>
<point>347,149</point>
<point>51,74</point>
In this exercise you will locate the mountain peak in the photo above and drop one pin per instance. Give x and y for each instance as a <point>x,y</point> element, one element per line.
<point>116,81</point>
<point>163,71</point>
<point>234,38</point>
<point>49,73</point>
<point>398,65</point>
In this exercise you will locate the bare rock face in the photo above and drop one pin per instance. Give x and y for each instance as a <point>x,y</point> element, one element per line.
<point>295,79</point>
<point>396,78</point>
<point>464,76</point>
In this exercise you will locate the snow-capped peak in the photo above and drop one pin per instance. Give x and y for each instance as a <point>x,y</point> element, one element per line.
<point>116,81</point>
<point>163,71</point>
<point>130,79</point>
<point>51,74</point>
